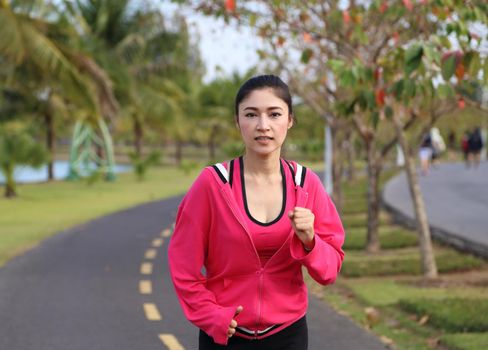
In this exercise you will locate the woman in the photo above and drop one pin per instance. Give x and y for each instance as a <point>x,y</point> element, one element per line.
<point>475,145</point>
<point>245,229</point>
<point>425,154</point>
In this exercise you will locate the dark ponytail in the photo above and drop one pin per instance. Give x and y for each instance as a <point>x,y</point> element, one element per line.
<point>261,82</point>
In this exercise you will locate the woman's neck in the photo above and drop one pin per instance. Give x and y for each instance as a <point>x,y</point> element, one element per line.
<point>267,166</point>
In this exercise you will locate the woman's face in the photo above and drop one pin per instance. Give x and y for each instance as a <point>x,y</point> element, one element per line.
<point>264,121</point>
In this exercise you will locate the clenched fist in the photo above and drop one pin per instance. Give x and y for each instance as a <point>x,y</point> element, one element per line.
<point>302,220</point>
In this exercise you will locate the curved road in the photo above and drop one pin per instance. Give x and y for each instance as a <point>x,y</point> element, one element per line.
<point>105,286</point>
<point>456,202</point>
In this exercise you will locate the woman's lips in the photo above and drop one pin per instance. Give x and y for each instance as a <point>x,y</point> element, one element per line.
<point>263,140</point>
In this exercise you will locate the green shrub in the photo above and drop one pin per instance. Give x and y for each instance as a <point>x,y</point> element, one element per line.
<point>404,262</point>
<point>453,314</point>
<point>233,149</point>
<point>372,266</point>
<point>465,341</point>
<point>313,149</point>
<point>187,166</point>
<point>141,164</point>
<point>386,291</point>
<point>361,220</point>
<point>354,207</point>
<point>452,260</point>
<point>390,238</point>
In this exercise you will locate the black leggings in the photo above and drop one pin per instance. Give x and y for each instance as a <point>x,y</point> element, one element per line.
<point>293,337</point>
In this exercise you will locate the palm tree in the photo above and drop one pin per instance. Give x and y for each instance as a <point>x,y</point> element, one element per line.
<point>135,48</point>
<point>45,66</point>
<point>217,117</point>
<point>17,147</point>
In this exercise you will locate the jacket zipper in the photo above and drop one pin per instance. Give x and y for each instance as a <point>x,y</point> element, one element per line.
<point>256,252</point>
<point>260,301</point>
<point>260,271</point>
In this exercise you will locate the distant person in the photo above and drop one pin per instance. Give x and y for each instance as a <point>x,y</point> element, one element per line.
<point>465,146</point>
<point>452,146</point>
<point>245,230</point>
<point>438,145</point>
<point>425,154</point>
<point>475,144</point>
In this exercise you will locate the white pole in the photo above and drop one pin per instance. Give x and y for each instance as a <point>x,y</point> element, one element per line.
<point>328,160</point>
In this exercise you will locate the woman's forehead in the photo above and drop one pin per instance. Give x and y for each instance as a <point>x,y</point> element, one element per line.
<point>263,98</point>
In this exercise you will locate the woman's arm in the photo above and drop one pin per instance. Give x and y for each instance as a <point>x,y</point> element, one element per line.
<point>323,255</point>
<point>186,254</point>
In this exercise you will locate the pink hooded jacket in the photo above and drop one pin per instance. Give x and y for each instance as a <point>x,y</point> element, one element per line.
<point>215,266</point>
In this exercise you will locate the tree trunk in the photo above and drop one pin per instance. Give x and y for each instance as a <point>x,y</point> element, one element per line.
<point>211,143</point>
<point>336,170</point>
<point>50,143</point>
<point>10,191</point>
<point>349,151</point>
<point>100,153</point>
<point>373,200</point>
<point>138,135</point>
<point>429,267</point>
<point>179,152</point>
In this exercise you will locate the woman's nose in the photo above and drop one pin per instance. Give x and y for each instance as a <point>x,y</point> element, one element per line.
<point>263,123</point>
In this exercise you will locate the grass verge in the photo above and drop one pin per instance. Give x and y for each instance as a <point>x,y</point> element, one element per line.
<point>404,261</point>
<point>391,237</point>
<point>386,293</point>
<point>451,314</point>
<point>465,341</point>
<point>41,210</point>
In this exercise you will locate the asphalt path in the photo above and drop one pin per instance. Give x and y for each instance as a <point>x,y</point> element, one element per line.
<point>81,289</point>
<point>456,200</point>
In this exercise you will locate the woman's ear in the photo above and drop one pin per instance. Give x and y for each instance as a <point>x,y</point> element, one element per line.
<point>291,120</point>
<point>236,118</point>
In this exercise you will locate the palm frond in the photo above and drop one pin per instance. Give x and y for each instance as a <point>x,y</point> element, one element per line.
<point>106,98</point>
<point>11,44</point>
<point>49,58</point>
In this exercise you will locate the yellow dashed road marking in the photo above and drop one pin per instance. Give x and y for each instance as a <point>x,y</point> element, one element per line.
<point>152,313</point>
<point>146,268</point>
<point>166,233</point>
<point>151,253</point>
<point>171,342</point>
<point>157,242</point>
<point>145,287</point>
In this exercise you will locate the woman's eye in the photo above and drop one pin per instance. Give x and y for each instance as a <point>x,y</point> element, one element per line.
<point>250,115</point>
<point>275,115</point>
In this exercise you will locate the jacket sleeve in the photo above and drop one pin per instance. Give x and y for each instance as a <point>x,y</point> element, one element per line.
<point>324,261</point>
<point>186,253</point>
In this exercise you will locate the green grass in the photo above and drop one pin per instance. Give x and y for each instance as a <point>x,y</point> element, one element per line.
<point>393,326</point>
<point>391,237</point>
<point>451,314</point>
<point>357,206</point>
<point>465,341</point>
<point>361,220</point>
<point>386,291</point>
<point>384,279</point>
<point>404,261</point>
<point>41,210</point>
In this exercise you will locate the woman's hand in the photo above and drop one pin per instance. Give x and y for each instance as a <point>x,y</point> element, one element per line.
<point>302,220</point>
<point>233,324</point>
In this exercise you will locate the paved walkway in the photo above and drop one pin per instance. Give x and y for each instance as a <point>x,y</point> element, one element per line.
<point>105,285</point>
<point>456,200</point>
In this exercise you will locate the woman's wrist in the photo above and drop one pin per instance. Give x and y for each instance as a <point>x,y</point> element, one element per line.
<point>309,245</point>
